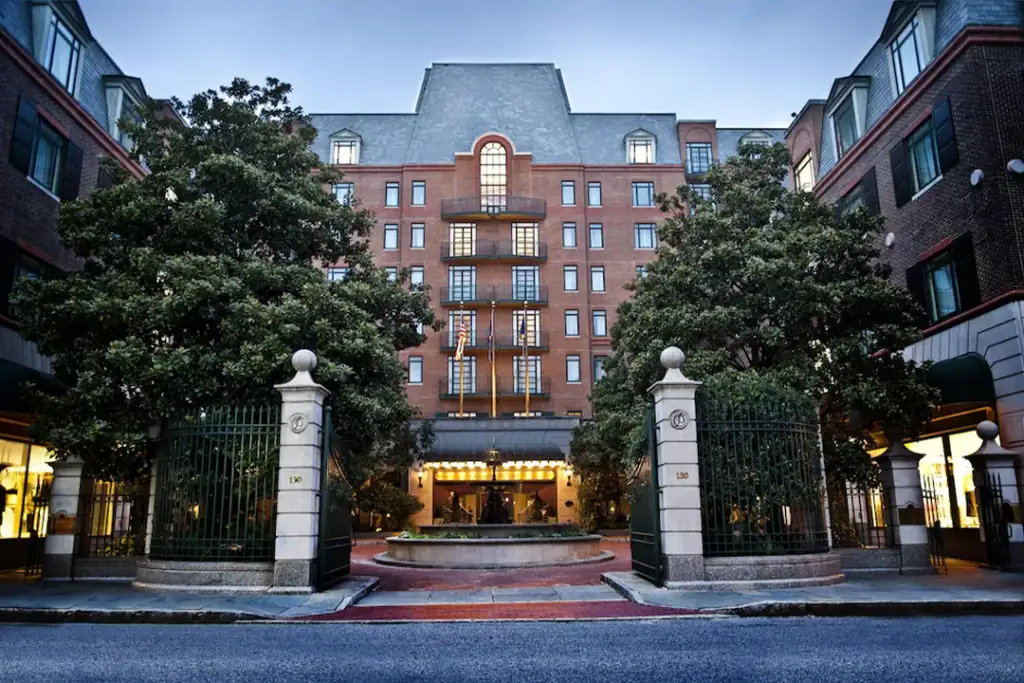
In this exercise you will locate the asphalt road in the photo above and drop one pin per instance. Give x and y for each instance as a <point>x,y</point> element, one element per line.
<point>762,650</point>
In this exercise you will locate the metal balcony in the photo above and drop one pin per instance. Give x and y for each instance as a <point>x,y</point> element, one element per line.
<point>503,341</point>
<point>502,295</point>
<point>507,387</point>
<point>479,208</point>
<point>494,250</point>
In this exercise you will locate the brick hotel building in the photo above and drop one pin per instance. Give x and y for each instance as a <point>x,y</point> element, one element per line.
<point>499,197</point>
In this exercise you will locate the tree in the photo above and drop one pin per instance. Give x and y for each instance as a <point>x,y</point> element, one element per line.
<point>200,280</point>
<point>763,279</point>
<point>388,506</point>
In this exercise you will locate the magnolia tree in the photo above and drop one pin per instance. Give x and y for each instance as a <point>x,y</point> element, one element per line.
<point>200,280</point>
<point>760,279</point>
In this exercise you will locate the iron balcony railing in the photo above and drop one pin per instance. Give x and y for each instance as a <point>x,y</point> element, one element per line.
<point>493,250</point>
<point>448,387</point>
<point>503,341</point>
<point>494,206</point>
<point>502,294</point>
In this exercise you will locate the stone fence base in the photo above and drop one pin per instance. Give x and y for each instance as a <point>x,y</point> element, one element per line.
<point>779,571</point>
<point>870,560</point>
<point>106,568</point>
<point>204,576</point>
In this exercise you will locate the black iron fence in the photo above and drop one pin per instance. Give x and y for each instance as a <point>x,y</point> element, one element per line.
<point>334,551</point>
<point>996,517</point>
<point>113,517</point>
<point>760,478</point>
<point>217,485</point>
<point>493,205</point>
<point>932,518</point>
<point>860,517</point>
<point>494,249</point>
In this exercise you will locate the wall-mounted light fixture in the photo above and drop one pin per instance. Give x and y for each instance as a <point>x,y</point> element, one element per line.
<point>568,476</point>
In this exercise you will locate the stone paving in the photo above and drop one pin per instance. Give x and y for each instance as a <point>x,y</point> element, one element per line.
<point>492,596</point>
<point>504,611</point>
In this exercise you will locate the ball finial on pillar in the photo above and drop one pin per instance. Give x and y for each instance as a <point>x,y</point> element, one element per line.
<point>988,430</point>
<point>672,358</point>
<point>304,360</point>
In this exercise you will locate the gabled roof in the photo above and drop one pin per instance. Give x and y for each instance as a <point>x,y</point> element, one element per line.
<point>346,133</point>
<point>899,14</point>
<point>72,13</point>
<point>640,133</point>
<point>841,85</point>
<point>130,84</point>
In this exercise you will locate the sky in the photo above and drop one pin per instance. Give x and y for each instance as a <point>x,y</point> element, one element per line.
<point>744,63</point>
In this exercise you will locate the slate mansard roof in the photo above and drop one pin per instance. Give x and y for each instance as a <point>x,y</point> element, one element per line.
<point>526,102</point>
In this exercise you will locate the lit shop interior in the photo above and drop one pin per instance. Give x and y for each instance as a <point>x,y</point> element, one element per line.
<point>25,478</point>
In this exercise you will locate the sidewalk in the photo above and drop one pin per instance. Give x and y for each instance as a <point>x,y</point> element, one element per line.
<point>965,590</point>
<point>119,602</point>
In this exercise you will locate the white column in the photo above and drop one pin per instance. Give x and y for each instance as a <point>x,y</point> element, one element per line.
<point>901,481</point>
<point>993,461</point>
<point>675,414</point>
<point>59,551</point>
<point>298,482</point>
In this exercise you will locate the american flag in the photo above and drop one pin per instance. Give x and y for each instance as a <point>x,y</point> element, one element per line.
<point>460,345</point>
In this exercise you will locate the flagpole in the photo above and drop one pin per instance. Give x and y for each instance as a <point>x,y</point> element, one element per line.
<point>494,388</point>
<point>526,357</point>
<point>462,353</point>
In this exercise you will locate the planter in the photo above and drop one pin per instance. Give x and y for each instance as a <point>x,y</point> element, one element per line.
<point>492,553</point>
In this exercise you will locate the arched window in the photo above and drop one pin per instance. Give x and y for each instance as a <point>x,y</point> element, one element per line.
<point>493,186</point>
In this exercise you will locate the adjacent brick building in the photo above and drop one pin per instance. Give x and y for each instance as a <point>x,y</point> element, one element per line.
<point>501,198</point>
<point>928,131</point>
<point>61,96</point>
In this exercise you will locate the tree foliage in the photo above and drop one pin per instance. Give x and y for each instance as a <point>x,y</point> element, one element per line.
<point>200,280</point>
<point>760,278</point>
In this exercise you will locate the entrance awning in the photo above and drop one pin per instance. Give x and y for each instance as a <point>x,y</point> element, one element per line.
<point>964,379</point>
<point>519,439</point>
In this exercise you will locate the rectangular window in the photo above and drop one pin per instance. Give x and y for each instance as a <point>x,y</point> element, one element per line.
<point>568,235</point>
<point>924,157</point>
<point>574,413</point>
<point>416,275</point>
<point>344,192</point>
<point>943,293</point>
<point>520,373</point>
<point>456,319</point>
<point>417,236</point>
<point>570,281</point>
<point>419,328</point>
<point>641,271</point>
<point>344,152</point>
<point>698,157</point>
<point>462,283</point>
<point>594,194</point>
<point>62,55</point>
<point>415,369</point>
<point>845,122</point>
<point>599,367</point>
<point>572,323</point>
<point>703,191</point>
<point>462,372</point>
<point>600,323</point>
<point>392,273</point>
<point>572,369</point>
<point>525,283</point>
<point>524,239</point>
<point>644,236</point>
<point>531,328</point>
<point>641,152</point>
<point>419,193</point>
<point>643,194</point>
<point>391,195</point>
<point>907,55</point>
<point>462,238</point>
<point>337,273</point>
<point>803,173</point>
<point>597,279</point>
<point>568,193</point>
<point>391,236</point>
<point>48,157</point>
<point>596,236</point>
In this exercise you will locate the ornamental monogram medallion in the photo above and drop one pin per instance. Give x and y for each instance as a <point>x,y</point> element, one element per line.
<point>679,419</point>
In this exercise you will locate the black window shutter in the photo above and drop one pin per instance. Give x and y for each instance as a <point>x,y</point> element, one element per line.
<point>945,136</point>
<point>869,187</point>
<point>901,184</point>
<point>916,284</point>
<point>9,255</point>
<point>72,178</point>
<point>24,135</point>
<point>966,272</point>
<point>103,178</point>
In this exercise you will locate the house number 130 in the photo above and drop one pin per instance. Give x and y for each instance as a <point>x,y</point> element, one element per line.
<point>295,479</point>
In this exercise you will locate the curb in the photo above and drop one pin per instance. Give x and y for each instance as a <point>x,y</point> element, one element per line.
<point>876,609</point>
<point>66,616</point>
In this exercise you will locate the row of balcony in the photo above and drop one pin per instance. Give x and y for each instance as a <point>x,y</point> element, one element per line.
<point>503,341</point>
<point>501,295</point>
<point>478,251</point>
<point>448,388</point>
<point>494,207</point>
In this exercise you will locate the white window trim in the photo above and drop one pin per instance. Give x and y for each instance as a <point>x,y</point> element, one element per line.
<point>345,136</point>
<point>859,95</point>
<point>565,327</point>
<point>43,14</point>
<point>645,137</point>
<point>562,185</point>
<point>423,231</point>
<point>575,237</point>
<point>411,381</point>
<point>925,16</point>
<point>392,227</point>
<point>579,369</point>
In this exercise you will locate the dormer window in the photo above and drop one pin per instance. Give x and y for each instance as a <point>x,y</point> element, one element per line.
<point>847,113</point>
<point>911,45</point>
<point>63,51</point>
<point>126,96</point>
<point>345,148</point>
<point>640,147</point>
<point>845,122</point>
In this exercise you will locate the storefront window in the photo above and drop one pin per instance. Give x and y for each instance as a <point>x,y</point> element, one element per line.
<point>25,478</point>
<point>945,469</point>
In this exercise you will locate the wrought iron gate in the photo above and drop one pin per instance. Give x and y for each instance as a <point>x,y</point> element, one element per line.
<point>933,525</point>
<point>37,522</point>
<point>334,551</point>
<point>644,527</point>
<point>995,528</point>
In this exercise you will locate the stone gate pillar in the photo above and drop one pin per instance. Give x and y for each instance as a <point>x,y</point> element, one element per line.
<point>993,461</point>
<point>675,413</point>
<point>65,491</point>
<point>901,481</point>
<point>298,480</point>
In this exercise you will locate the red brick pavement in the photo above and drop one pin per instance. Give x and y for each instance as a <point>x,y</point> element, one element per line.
<point>502,612</point>
<point>407,579</point>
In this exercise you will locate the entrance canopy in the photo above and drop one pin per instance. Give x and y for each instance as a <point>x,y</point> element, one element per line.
<point>516,439</point>
<point>964,379</point>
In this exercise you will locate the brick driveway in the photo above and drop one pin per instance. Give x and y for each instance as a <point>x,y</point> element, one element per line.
<point>503,612</point>
<point>407,579</point>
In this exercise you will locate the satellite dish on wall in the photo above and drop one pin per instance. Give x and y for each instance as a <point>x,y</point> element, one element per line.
<point>890,239</point>
<point>976,177</point>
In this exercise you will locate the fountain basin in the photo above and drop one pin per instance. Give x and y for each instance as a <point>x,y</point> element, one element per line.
<point>493,552</point>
